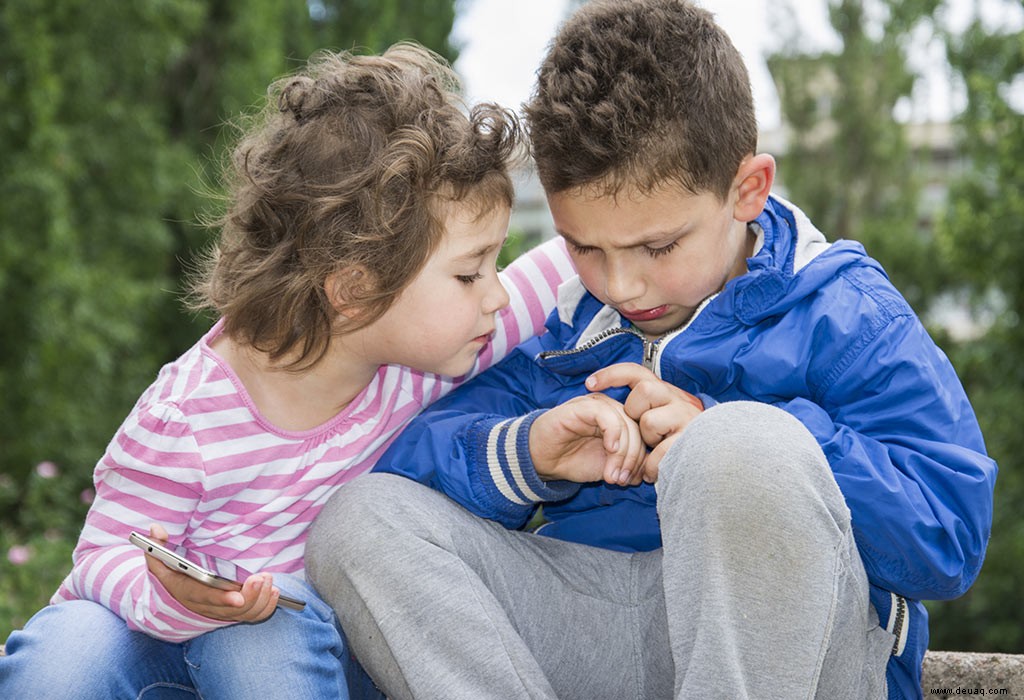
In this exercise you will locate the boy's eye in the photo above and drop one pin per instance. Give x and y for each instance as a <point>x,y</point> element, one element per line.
<point>663,250</point>
<point>469,279</point>
<point>579,249</point>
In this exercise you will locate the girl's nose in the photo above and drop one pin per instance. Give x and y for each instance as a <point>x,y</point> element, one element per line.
<point>497,298</point>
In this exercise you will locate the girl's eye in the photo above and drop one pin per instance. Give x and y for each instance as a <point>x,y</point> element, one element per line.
<point>664,250</point>
<point>469,279</point>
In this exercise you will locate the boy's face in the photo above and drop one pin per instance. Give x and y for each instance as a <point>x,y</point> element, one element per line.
<point>447,313</point>
<point>652,257</point>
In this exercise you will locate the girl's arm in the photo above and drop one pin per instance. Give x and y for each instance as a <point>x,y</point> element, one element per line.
<point>151,473</point>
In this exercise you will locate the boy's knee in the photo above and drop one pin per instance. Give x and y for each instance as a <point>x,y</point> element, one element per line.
<point>747,453</point>
<point>363,517</point>
<point>741,438</point>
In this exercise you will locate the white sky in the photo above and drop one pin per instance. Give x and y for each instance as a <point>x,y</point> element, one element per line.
<point>501,47</point>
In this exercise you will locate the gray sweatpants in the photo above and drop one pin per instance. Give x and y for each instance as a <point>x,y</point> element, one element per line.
<point>758,591</point>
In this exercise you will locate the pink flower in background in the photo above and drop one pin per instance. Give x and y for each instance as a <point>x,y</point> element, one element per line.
<point>87,496</point>
<point>47,470</point>
<point>19,554</point>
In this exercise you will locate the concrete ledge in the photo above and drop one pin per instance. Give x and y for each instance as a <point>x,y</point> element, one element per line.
<point>946,672</point>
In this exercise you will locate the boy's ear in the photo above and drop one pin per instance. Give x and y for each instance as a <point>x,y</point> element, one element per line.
<point>753,185</point>
<point>346,287</point>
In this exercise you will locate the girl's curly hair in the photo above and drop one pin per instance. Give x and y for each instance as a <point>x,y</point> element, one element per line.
<point>352,162</point>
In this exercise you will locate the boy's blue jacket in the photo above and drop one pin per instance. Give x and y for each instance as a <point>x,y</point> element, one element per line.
<point>813,328</point>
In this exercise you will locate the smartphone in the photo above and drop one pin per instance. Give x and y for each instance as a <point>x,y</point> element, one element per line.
<point>180,559</point>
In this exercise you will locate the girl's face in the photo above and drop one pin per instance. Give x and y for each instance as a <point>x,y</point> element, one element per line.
<point>447,313</point>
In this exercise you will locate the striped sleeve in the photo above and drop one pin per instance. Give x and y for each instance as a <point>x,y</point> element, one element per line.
<point>532,282</point>
<point>499,450</point>
<point>151,473</point>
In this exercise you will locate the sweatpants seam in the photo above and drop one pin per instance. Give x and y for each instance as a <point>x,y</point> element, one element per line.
<point>837,572</point>
<point>380,633</point>
<point>634,605</point>
<point>508,654</point>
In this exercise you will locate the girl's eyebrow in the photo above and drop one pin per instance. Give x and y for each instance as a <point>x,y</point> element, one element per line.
<point>478,252</point>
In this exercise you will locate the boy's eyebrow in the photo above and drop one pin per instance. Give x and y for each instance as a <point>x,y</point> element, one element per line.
<point>656,237</point>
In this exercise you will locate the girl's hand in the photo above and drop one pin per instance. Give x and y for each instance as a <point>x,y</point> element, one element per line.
<point>256,600</point>
<point>588,438</point>
<point>662,410</point>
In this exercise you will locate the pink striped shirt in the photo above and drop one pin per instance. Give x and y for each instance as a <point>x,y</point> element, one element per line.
<point>196,456</point>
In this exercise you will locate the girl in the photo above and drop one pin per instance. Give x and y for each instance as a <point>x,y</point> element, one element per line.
<point>355,270</point>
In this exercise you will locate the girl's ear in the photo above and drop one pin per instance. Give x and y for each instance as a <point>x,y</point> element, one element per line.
<point>754,181</point>
<point>346,287</point>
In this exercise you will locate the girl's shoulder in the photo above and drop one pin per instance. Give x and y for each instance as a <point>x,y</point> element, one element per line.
<point>197,382</point>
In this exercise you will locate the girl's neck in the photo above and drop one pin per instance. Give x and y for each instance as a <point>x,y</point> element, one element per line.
<point>297,400</point>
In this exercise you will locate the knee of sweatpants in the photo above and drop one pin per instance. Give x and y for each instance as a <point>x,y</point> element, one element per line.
<point>362,519</point>
<point>748,455</point>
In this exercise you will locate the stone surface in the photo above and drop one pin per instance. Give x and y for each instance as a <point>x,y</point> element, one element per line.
<point>947,672</point>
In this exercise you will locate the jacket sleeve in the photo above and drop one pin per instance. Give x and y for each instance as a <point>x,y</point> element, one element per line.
<point>907,453</point>
<point>473,445</point>
<point>151,473</point>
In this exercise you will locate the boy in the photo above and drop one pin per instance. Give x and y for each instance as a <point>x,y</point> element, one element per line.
<point>752,459</point>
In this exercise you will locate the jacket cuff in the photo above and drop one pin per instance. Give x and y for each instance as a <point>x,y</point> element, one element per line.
<point>509,470</point>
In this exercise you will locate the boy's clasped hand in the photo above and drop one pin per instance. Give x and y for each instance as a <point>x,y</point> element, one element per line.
<point>596,438</point>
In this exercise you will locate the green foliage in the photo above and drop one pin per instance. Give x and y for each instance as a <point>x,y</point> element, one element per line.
<point>113,116</point>
<point>35,554</point>
<point>851,164</point>
<point>984,237</point>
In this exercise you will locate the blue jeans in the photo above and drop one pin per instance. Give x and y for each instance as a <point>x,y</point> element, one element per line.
<point>81,650</point>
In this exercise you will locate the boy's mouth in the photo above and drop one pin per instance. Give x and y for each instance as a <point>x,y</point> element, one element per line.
<point>645,314</point>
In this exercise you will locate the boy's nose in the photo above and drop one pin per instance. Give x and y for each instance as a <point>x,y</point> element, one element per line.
<point>621,283</point>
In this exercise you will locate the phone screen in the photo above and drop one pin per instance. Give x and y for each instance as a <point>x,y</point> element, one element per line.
<point>198,565</point>
<point>221,567</point>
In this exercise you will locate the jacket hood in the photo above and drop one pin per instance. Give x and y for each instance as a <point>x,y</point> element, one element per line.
<point>792,260</point>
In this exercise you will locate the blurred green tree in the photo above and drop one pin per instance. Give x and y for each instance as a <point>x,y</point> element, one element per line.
<point>849,163</point>
<point>984,237</point>
<point>113,118</point>
<point>851,166</point>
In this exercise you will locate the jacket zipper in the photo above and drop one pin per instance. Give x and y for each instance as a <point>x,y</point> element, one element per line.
<point>897,626</point>
<point>650,351</point>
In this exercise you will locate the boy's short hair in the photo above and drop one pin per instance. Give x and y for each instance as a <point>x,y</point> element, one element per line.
<point>639,93</point>
<point>354,161</point>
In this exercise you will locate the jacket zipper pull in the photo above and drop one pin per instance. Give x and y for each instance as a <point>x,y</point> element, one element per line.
<point>650,348</point>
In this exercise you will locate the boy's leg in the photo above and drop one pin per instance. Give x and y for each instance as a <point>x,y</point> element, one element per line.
<point>439,603</point>
<point>81,650</point>
<point>291,655</point>
<point>765,591</point>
